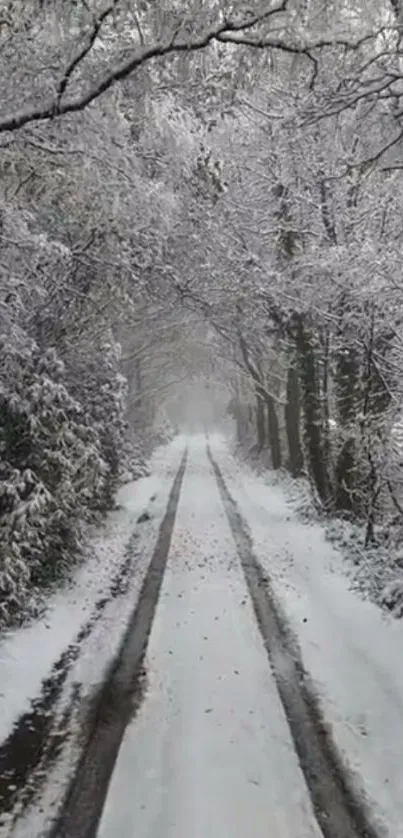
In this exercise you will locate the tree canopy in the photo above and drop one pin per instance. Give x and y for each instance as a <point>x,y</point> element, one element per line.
<point>189,193</point>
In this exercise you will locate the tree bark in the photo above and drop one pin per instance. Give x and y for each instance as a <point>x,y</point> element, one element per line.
<point>273,433</point>
<point>260,423</point>
<point>327,452</point>
<point>310,387</point>
<point>292,415</point>
<point>347,388</point>
<point>260,394</point>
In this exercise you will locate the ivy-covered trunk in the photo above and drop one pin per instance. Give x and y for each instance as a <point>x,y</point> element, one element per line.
<point>255,374</point>
<point>273,433</point>
<point>312,411</point>
<point>327,444</point>
<point>376,400</point>
<point>347,389</point>
<point>292,415</point>
<point>260,423</point>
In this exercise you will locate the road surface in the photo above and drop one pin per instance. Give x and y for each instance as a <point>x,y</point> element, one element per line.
<point>241,666</point>
<point>210,751</point>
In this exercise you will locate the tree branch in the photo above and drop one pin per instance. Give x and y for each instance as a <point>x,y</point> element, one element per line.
<point>83,52</point>
<point>225,31</point>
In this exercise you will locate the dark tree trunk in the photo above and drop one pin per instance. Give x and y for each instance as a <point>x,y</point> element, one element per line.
<point>345,473</point>
<point>325,402</point>
<point>373,490</point>
<point>260,423</point>
<point>273,433</point>
<point>313,423</point>
<point>260,396</point>
<point>371,409</point>
<point>347,388</point>
<point>292,415</point>
<point>235,410</point>
<point>327,217</point>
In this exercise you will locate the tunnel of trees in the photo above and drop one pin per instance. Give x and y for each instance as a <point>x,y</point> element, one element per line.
<point>188,190</point>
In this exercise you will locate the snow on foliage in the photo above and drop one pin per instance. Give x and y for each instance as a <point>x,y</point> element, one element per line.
<point>255,190</point>
<point>65,441</point>
<point>54,467</point>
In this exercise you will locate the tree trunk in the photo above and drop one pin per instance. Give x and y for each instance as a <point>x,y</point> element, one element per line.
<point>292,415</point>
<point>345,475</point>
<point>260,423</point>
<point>273,433</point>
<point>312,413</point>
<point>260,395</point>
<point>235,410</point>
<point>327,452</point>
<point>347,389</point>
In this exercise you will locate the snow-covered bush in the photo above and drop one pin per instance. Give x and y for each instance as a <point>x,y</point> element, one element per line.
<point>61,420</point>
<point>51,472</point>
<point>68,292</point>
<point>97,383</point>
<point>66,437</point>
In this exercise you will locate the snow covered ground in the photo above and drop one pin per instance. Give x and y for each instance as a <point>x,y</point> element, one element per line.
<point>210,753</point>
<point>30,654</point>
<point>352,651</point>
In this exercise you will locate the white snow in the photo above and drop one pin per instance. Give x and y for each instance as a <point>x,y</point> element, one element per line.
<point>28,653</point>
<point>210,752</point>
<point>352,651</point>
<point>100,647</point>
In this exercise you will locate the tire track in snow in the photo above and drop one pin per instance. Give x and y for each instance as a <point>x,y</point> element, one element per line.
<point>340,814</point>
<point>39,734</point>
<point>120,695</point>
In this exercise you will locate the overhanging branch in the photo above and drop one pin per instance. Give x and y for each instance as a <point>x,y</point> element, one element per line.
<point>241,32</point>
<point>57,106</point>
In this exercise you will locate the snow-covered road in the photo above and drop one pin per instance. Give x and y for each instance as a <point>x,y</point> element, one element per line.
<point>272,701</point>
<point>210,752</point>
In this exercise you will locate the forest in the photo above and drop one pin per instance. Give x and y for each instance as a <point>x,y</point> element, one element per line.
<point>201,192</point>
